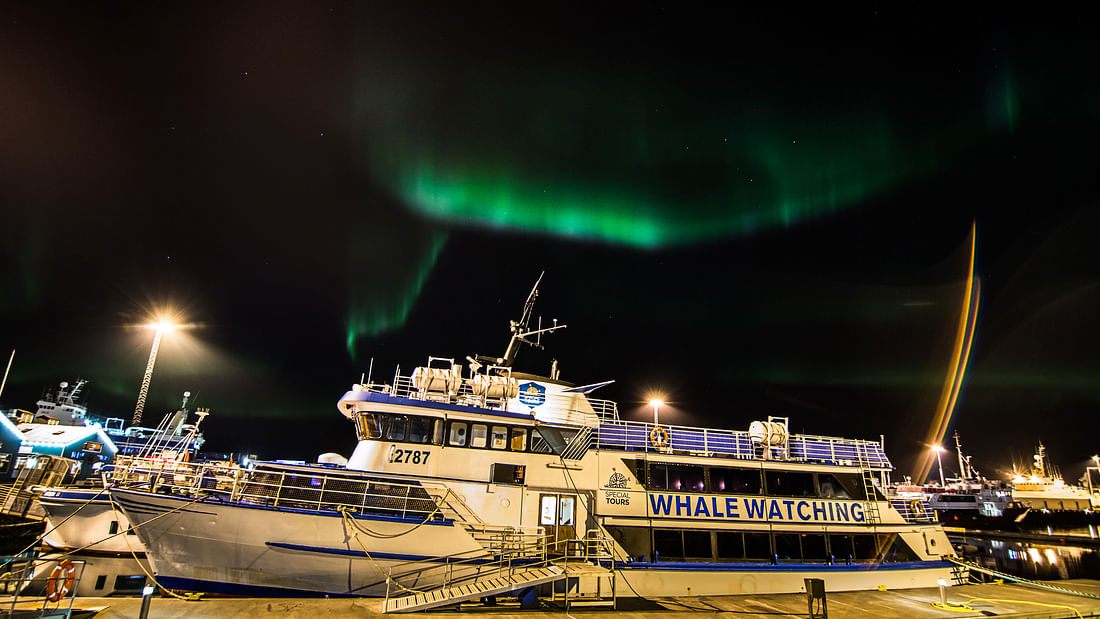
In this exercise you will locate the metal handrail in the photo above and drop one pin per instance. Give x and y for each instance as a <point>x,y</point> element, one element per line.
<point>404,387</point>
<point>624,434</point>
<point>296,489</point>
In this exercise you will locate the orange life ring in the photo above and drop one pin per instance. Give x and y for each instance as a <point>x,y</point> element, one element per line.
<point>63,573</point>
<point>659,438</point>
<point>916,507</point>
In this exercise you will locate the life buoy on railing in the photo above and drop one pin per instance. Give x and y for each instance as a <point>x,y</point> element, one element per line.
<point>60,582</point>
<point>916,507</point>
<point>659,438</point>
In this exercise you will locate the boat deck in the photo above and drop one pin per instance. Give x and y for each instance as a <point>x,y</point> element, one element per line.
<point>1010,602</point>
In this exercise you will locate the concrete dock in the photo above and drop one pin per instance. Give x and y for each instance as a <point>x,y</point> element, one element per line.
<point>984,600</point>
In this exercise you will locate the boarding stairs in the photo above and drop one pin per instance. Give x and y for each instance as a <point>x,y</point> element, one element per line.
<point>585,575</point>
<point>488,587</point>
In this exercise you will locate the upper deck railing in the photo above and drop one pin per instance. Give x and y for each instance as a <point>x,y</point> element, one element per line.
<point>403,387</point>
<point>641,437</point>
<point>306,489</point>
<point>614,433</point>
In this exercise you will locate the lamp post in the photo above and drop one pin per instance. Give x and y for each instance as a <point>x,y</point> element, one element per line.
<point>939,463</point>
<point>1088,473</point>
<point>161,328</point>
<point>656,404</point>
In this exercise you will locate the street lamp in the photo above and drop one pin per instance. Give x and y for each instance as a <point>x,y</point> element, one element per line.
<point>1088,473</point>
<point>656,404</point>
<point>161,327</point>
<point>939,463</point>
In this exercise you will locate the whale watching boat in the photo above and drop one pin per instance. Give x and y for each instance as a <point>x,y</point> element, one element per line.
<point>501,481</point>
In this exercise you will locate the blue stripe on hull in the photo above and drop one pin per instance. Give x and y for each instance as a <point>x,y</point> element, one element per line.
<point>228,588</point>
<point>130,502</point>
<point>397,556</point>
<point>782,567</point>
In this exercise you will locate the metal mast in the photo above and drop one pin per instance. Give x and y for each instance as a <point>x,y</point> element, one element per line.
<point>144,392</point>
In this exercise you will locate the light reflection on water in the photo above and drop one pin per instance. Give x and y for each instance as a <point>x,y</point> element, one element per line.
<point>1077,555</point>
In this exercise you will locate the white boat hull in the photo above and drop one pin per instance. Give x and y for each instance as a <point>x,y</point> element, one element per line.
<point>86,520</point>
<point>231,548</point>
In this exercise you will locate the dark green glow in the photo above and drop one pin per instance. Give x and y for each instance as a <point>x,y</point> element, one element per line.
<point>382,303</point>
<point>1003,103</point>
<point>602,162</point>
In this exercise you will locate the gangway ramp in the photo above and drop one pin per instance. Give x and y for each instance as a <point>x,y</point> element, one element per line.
<point>519,579</point>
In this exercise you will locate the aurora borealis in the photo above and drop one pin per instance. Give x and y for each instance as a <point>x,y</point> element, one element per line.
<point>760,212</point>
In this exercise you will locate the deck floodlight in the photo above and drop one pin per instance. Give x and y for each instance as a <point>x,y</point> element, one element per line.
<point>656,403</point>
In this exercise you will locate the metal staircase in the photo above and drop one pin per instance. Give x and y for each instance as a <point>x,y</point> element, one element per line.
<point>577,447</point>
<point>452,506</point>
<point>516,580</point>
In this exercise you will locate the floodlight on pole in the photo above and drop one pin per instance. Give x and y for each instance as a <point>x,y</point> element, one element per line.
<point>656,403</point>
<point>161,328</point>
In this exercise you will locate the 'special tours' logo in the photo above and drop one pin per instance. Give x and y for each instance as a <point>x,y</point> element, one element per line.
<point>618,496</point>
<point>617,480</point>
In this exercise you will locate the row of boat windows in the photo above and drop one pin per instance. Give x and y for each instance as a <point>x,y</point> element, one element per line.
<point>732,480</point>
<point>646,544</point>
<point>435,431</point>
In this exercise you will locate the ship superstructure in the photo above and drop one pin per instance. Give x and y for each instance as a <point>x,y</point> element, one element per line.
<point>461,468</point>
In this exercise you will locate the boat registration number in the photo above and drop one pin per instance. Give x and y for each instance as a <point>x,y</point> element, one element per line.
<point>409,456</point>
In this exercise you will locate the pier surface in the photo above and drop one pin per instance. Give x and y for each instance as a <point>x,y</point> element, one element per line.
<point>1000,600</point>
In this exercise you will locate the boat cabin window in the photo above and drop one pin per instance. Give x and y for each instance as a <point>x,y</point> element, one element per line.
<point>479,434</point>
<point>519,439</point>
<point>786,547</point>
<point>644,544</point>
<point>402,428</point>
<point>499,437</point>
<point>668,545</point>
<point>789,483</point>
<point>758,546</point>
<point>395,427</point>
<point>420,429</point>
<point>732,546</point>
<point>683,478</point>
<point>840,486</point>
<point>895,549</point>
<point>366,427</point>
<point>729,545</point>
<point>800,547</point>
<point>508,473</point>
<point>861,547</point>
<point>813,547</point>
<point>734,480</point>
<point>458,434</point>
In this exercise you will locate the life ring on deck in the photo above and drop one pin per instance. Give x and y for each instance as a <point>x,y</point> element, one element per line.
<point>659,438</point>
<point>60,582</point>
<point>916,507</point>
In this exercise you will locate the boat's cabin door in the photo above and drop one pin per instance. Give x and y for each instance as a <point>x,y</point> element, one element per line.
<point>558,520</point>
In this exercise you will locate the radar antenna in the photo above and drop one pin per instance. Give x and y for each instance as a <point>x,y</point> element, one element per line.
<point>521,330</point>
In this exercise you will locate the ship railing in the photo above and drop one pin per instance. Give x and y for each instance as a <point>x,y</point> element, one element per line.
<point>296,490</point>
<point>499,556</point>
<point>25,585</point>
<point>404,387</point>
<point>606,410</point>
<point>514,550</point>
<point>649,438</point>
<point>914,510</point>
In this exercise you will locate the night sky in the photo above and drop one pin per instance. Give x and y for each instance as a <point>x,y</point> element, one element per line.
<point>752,212</point>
